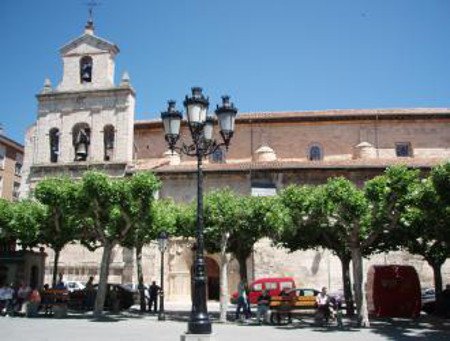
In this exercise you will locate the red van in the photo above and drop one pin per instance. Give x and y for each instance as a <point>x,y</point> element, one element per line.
<point>274,284</point>
<point>393,291</point>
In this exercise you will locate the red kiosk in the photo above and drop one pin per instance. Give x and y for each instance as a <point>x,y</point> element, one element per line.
<point>393,291</point>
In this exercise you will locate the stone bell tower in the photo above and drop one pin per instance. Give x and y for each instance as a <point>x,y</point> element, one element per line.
<point>86,121</point>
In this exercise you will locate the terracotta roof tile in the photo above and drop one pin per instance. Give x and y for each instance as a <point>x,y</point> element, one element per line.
<point>326,114</point>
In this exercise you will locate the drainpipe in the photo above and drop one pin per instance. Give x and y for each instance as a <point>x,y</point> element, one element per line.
<point>376,136</point>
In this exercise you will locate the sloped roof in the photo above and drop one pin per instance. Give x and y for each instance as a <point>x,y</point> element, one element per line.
<point>92,40</point>
<point>326,115</point>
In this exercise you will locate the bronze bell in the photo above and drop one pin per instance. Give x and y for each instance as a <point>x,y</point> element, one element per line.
<point>81,152</point>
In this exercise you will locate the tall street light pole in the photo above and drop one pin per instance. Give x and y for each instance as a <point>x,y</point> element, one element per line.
<point>162,245</point>
<point>201,127</point>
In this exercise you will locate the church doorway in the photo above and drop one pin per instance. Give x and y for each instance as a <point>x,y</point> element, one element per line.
<point>212,280</point>
<point>213,284</point>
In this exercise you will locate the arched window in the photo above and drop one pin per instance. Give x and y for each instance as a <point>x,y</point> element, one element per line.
<point>315,153</point>
<point>86,69</point>
<point>54,144</point>
<point>81,139</point>
<point>108,142</point>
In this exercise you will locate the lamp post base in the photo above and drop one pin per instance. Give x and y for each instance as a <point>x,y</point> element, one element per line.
<point>198,337</point>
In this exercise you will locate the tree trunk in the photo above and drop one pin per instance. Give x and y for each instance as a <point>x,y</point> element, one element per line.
<point>360,297</point>
<point>345,262</point>
<point>224,260</point>
<point>437,278</point>
<point>242,260</point>
<point>55,267</point>
<point>103,279</point>
<point>140,277</point>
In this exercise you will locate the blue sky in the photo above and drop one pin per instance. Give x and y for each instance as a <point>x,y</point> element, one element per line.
<point>273,55</point>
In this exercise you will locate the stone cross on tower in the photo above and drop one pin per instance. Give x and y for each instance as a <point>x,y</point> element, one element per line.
<point>90,23</point>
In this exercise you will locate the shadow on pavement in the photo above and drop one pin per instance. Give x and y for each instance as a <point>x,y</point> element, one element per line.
<point>425,327</point>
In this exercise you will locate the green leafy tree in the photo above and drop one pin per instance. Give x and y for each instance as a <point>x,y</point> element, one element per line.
<point>345,212</point>
<point>6,233</point>
<point>314,225</point>
<point>27,220</point>
<point>142,187</point>
<point>426,223</point>
<point>388,196</point>
<point>108,208</point>
<point>60,195</point>
<point>233,224</point>
<point>222,217</point>
<point>261,217</point>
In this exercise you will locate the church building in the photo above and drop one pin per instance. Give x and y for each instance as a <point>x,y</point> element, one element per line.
<point>88,122</point>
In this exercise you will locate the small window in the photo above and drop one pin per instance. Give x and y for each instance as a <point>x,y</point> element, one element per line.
<point>315,153</point>
<point>19,163</point>
<point>257,287</point>
<point>284,285</point>
<point>86,69</point>
<point>308,292</point>
<point>1,186</point>
<point>218,156</point>
<point>15,193</point>
<point>2,156</point>
<point>271,285</point>
<point>403,149</point>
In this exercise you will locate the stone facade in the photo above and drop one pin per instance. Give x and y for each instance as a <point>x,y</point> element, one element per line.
<point>269,151</point>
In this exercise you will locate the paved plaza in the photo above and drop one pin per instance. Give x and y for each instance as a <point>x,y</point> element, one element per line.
<point>133,326</point>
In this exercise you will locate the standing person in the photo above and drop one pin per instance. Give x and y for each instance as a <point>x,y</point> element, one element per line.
<point>4,300</point>
<point>22,295</point>
<point>263,306</point>
<point>323,302</point>
<point>90,294</point>
<point>241,300</point>
<point>60,284</point>
<point>153,292</point>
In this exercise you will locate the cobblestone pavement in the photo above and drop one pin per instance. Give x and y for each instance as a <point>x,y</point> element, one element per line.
<point>133,326</point>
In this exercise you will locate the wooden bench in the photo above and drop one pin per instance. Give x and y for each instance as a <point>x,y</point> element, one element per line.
<point>55,301</point>
<point>283,307</point>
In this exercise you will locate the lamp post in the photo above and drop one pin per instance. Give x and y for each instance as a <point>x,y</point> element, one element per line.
<point>162,245</point>
<point>201,127</point>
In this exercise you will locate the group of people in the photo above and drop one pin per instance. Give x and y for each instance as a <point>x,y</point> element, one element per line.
<point>243,303</point>
<point>14,298</point>
<point>327,307</point>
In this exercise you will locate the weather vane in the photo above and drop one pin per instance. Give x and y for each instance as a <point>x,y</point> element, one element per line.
<point>91,5</point>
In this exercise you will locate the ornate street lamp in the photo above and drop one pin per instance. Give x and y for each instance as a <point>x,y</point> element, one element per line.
<point>201,127</point>
<point>162,245</point>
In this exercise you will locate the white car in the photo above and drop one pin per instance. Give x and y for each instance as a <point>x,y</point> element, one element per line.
<point>74,286</point>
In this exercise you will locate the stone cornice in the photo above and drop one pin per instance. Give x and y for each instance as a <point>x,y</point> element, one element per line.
<point>90,40</point>
<point>97,92</point>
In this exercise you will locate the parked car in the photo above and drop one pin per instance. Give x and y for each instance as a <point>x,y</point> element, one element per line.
<point>125,297</point>
<point>428,296</point>
<point>273,284</point>
<point>74,285</point>
<point>134,288</point>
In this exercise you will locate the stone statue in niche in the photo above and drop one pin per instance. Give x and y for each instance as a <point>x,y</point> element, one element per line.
<point>81,144</point>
